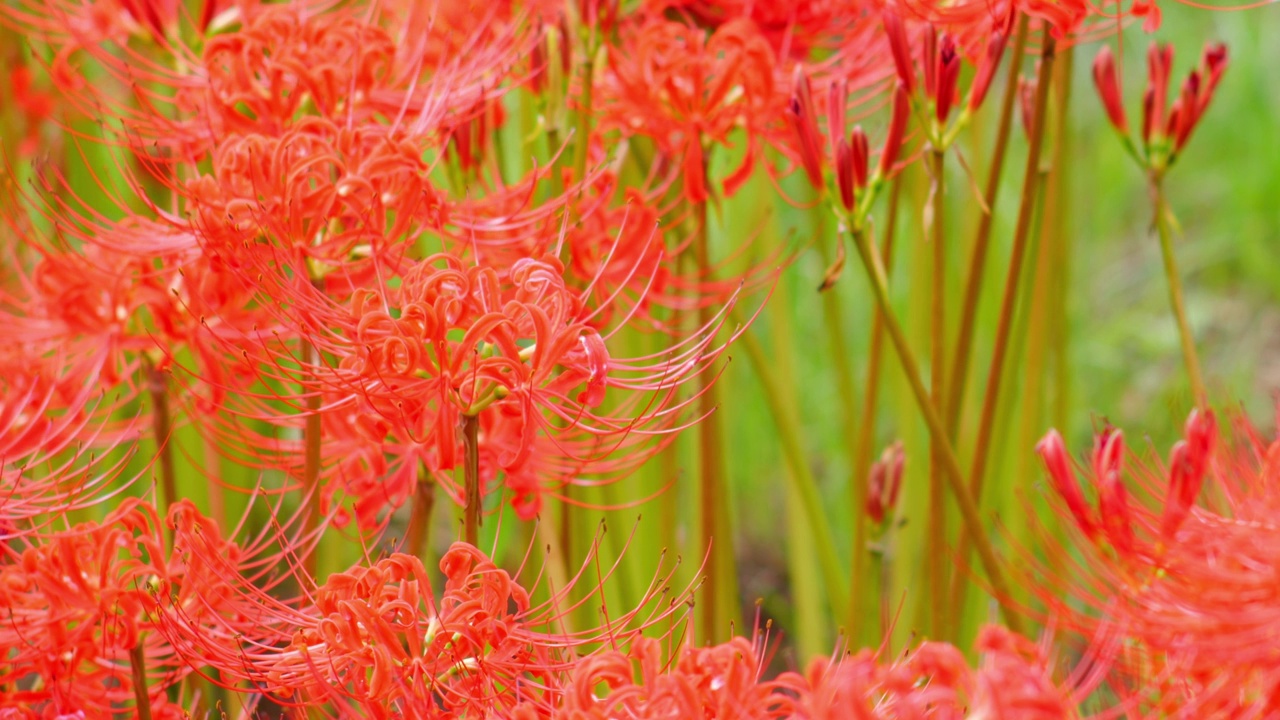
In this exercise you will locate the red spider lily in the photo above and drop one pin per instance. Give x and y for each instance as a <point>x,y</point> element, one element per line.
<point>684,89</point>
<point>856,184</point>
<point>1014,679</point>
<point>1188,463</point>
<point>377,639</point>
<point>1166,127</point>
<point>522,354</point>
<point>1196,589</point>
<point>278,64</point>
<point>56,435</point>
<point>794,30</point>
<point>78,602</point>
<point>939,63</point>
<point>719,681</point>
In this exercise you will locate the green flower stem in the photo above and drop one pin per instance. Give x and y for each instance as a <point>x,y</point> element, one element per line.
<point>937,518</point>
<point>162,430</point>
<point>1032,179</point>
<point>418,533</point>
<point>471,479</point>
<point>784,415</point>
<point>138,669</point>
<point>864,445</point>
<point>972,520</point>
<point>977,261</point>
<point>1165,234</point>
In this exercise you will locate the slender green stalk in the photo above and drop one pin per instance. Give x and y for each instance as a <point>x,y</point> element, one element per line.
<point>864,445</point>
<point>784,415</point>
<point>1057,236</point>
<point>972,520</point>
<point>138,669</point>
<point>1031,182</point>
<point>582,143</point>
<point>937,518</point>
<point>312,436</point>
<point>1165,234</point>
<point>881,552</point>
<point>982,238</point>
<point>417,534</point>
<point>162,430</point>
<point>471,479</point>
<point>710,455</point>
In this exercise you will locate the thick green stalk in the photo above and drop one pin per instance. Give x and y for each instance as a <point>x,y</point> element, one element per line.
<point>864,445</point>
<point>582,141</point>
<point>972,520</point>
<point>418,533</point>
<point>982,238</point>
<point>138,669</point>
<point>1031,182</point>
<point>787,422</point>
<point>471,479</point>
<point>162,431</point>
<point>937,518</point>
<point>1165,234</point>
<point>710,454</point>
<point>312,436</point>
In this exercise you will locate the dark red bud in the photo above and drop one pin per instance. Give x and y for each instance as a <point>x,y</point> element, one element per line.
<point>1214,62</point>
<point>861,156</point>
<point>948,76</point>
<point>844,173</point>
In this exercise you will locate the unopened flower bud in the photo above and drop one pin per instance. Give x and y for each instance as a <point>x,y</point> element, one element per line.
<point>1054,454</point>
<point>929,61</point>
<point>897,130</point>
<point>987,67</point>
<point>1113,498</point>
<point>1159,65</point>
<point>900,48</point>
<point>1188,464</point>
<point>800,111</point>
<point>948,74</point>
<point>851,167</point>
<point>884,482</point>
<point>838,92</point>
<point>1107,80</point>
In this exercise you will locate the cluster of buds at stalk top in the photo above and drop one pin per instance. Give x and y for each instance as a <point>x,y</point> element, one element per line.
<point>940,56</point>
<point>884,482</point>
<point>1114,519</point>
<point>856,184</point>
<point>1166,127</point>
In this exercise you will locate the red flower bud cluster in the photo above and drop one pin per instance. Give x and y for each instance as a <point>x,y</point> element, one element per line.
<point>1166,126</point>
